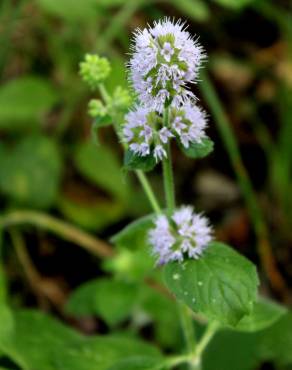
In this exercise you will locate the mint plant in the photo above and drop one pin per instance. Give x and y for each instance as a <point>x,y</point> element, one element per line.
<point>210,280</point>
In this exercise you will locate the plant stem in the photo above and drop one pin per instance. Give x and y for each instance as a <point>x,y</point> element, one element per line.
<point>140,175</point>
<point>58,227</point>
<point>186,320</point>
<point>167,171</point>
<point>229,140</point>
<point>148,191</point>
<point>208,335</point>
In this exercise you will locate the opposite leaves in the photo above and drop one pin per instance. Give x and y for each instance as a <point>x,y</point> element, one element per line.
<point>221,285</point>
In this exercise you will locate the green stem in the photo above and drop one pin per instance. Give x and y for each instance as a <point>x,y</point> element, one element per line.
<point>148,191</point>
<point>141,176</point>
<point>186,320</point>
<point>187,326</point>
<point>167,171</point>
<point>229,140</point>
<point>208,335</point>
<point>62,229</point>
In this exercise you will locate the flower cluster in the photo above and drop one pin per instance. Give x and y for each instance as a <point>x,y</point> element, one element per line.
<point>145,133</point>
<point>165,60</point>
<point>185,233</point>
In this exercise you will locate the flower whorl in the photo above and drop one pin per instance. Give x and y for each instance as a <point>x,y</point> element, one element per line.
<point>165,59</point>
<point>185,233</point>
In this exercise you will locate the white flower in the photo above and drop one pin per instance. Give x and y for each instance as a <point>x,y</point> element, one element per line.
<point>164,135</point>
<point>189,123</point>
<point>159,152</point>
<point>188,235</point>
<point>165,59</point>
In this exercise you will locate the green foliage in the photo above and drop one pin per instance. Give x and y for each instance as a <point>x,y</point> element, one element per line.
<point>264,314</point>
<point>195,9</point>
<point>24,101</point>
<point>40,342</point>
<point>222,285</point>
<point>133,161</point>
<point>134,235</point>
<point>112,300</point>
<point>100,166</point>
<point>198,150</point>
<point>30,171</point>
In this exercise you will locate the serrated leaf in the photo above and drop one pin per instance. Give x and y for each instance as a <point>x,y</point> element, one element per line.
<point>134,236</point>
<point>30,172</point>
<point>221,284</point>
<point>100,166</point>
<point>136,162</point>
<point>264,314</point>
<point>112,300</point>
<point>198,150</point>
<point>23,102</point>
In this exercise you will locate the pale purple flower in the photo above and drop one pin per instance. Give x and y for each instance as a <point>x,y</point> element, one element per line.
<point>143,134</point>
<point>189,124</point>
<point>165,57</point>
<point>187,236</point>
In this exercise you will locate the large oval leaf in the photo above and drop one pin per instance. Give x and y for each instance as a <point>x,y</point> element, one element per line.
<point>222,284</point>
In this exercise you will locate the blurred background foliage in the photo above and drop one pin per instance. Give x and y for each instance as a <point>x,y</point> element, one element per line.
<point>64,192</point>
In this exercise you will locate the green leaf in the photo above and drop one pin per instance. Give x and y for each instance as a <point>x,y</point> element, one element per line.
<point>230,350</point>
<point>275,343</point>
<point>100,166</point>
<point>134,236</point>
<point>264,314</point>
<point>198,150</point>
<point>195,9</point>
<point>133,265</point>
<point>30,172</point>
<point>93,214</point>
<point>70,10</point>
<point>24,101</point>
<point>41,342</point>
<point>135,162</point>
<point>112,300</point>
<point>7,324</point>
<point>221,284</point>
<point>139,363</point>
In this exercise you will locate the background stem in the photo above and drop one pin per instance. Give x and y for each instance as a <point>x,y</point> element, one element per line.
<point>264,248</point>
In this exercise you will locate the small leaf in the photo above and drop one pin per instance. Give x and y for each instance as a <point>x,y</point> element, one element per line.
<point>100,166</point>
<point>112,300</point>
<point>221,284</point>
<point>136,162</point>
<point>103,121</point>
<point>30,172</point>
<point>23,101</point>
<point>264,314</point>
<point>134,236</point>
<point>198,150</point>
